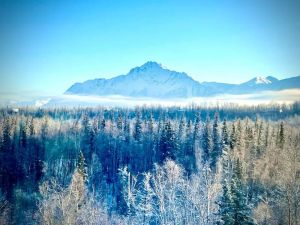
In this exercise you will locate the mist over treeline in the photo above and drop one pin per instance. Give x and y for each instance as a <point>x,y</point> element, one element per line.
<point>224,164</point>
<point>225,110</point>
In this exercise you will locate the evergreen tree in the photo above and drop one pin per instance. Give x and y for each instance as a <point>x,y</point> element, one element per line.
<point>23,134</point>
<point>197,127</point>
<point>92,139</point>
<point>241,211</point>
<point>88,139</point>
<point>44,134</point>
<point>249,139</point>
<point>120,122</point>
<point>226,162</point>
<point>102,124</point>
<point>35,156</point>
<point>233,205</point>
<point>183,138</point>
<point>81,166</point>
<point>148,144</point>
<point>239,135</point>
<point>281,138</point>
<point>259,143</point>
<point>8,160</point>
<point>233,137</point>
<point>266,136</point>
<point>137,134</point>
<point>85,124</point>
<point>181,128</point>
<point>127,130</point>
<point>189,156</point>
<point>206,141</point>
<point>216,147</point>
<point>168,143</point>
<point>31,127</point>
<point>226,206</point>
<point>225,135</point>
<point>151,125</point>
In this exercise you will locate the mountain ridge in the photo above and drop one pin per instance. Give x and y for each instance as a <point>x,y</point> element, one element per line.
<point>155,81</point>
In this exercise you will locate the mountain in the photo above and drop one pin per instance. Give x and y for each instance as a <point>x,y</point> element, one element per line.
<point>148,80</point>
<point>154,81</point>
<point>256,84</point>
<point>261,81</point>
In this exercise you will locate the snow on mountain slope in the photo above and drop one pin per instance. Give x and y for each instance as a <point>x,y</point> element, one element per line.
<point>262,80</point>
<point>258,81</point>
<point>148,80</point>
<point>154,81</point>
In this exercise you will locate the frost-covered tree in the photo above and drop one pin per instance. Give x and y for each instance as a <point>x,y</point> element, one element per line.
<point>216,144</point>
<point>281,138</point>
<point>168,143</point>
<point>41,145</point>
<point>137,133</point>
<point>226,206</point>
<point>241,211</point>
<point>206,141</point>
<point>81,166</point>
<point>226,152</point>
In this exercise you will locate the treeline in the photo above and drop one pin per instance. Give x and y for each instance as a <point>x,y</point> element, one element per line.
<point>150,165</point>
<point>230,111</point>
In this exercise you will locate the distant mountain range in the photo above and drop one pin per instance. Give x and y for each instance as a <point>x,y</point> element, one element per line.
<point>154,81</point>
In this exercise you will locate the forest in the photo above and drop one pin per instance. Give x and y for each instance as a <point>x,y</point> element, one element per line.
<point>206,165</point>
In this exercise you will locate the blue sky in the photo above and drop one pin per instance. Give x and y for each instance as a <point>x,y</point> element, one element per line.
<point>45,46</point>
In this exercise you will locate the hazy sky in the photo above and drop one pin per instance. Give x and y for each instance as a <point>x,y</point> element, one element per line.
<point>45,46</point>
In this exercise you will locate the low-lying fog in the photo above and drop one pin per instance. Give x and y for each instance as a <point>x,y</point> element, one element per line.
<point>285,96</point>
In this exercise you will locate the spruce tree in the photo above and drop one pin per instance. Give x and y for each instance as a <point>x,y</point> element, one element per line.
<point>8,161</point>
<point>168,143</point>
<point>238,137</point>
<point>151,125</point>
<point>233,137</point>
<point>23,134</point>
<point>189,148</point>
<point>137,134</point>
<point>266,136</point>
<point>31,127</point>
<point>88,139</point>
<point>206,141</point>
<point>181,128</point>
<point>216,148</point>
<point>241,211</point>
<point>102,124</point>
<point>183,136</point>
<point>225,135</point>
<point>281,138</point>
<point>259,143</point>
<point>127,130</point>
<point>226,162</point>
<point>197,127</point>
<point>226,206</point>
<point>120,122</point>
<point>81,166</point>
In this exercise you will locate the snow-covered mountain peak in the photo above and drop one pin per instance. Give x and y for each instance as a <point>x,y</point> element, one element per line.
<point>146,67</point>
<point>148,80</point>
<point>151,64</point>
<point>155,72</point>
<point>262,80</point>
